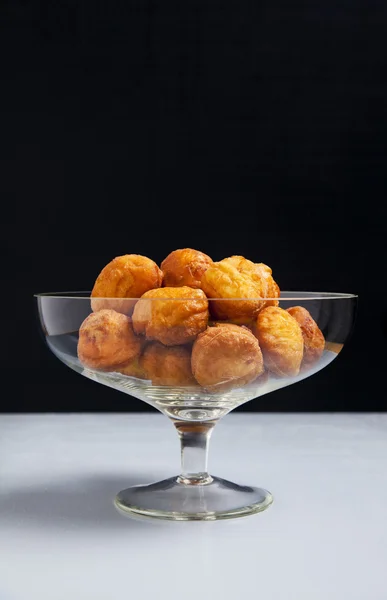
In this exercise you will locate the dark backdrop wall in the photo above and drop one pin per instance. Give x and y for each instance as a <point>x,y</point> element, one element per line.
<point>253,128</point>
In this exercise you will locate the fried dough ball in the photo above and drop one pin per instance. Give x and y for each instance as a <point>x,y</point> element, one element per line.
<point>168,365</point>
<point>281,341</point>
<point>128,276</point>
<point>172,316</point>
<point>236,277</point>
<point>107,341</point>
<point>226,356</point>
<point>314,341</point>
<point>185,267</point>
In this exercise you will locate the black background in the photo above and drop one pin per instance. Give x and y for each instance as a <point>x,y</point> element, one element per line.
<point>232,127</point>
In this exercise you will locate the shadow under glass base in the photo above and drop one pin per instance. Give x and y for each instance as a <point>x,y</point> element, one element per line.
<point>176,501</point>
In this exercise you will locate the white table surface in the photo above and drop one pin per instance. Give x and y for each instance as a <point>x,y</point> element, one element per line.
<point>325,536</point>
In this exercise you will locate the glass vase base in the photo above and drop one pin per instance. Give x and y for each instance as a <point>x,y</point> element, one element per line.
<point>176,501</point>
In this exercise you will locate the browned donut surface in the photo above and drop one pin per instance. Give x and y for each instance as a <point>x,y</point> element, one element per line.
<point>128,276</point>
<point>226,356</point>
<point>239,288</point>
<point>281,341</point>
<point>107,340</point>
<point>185,267</point>
<point>314,340</point>
<point>133,368</point>
<point>172,316</point>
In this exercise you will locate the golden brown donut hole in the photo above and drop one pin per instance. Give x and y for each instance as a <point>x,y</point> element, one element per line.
<point>226,356</point>
<point>185,267</point>
<point>281,341</point>
<point>128,276</point>
<point>107,340</point>
<point>172,316</point>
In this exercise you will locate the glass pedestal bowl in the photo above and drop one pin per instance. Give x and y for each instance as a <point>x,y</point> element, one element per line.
<point>194,409</point>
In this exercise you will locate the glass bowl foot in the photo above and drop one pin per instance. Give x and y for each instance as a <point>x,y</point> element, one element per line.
<point>176,501</point>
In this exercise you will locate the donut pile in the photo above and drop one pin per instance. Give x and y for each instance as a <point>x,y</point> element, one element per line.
<point>195,322</point>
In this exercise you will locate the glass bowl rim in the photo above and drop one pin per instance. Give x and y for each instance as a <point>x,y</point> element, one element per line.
<point>284,295</point>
